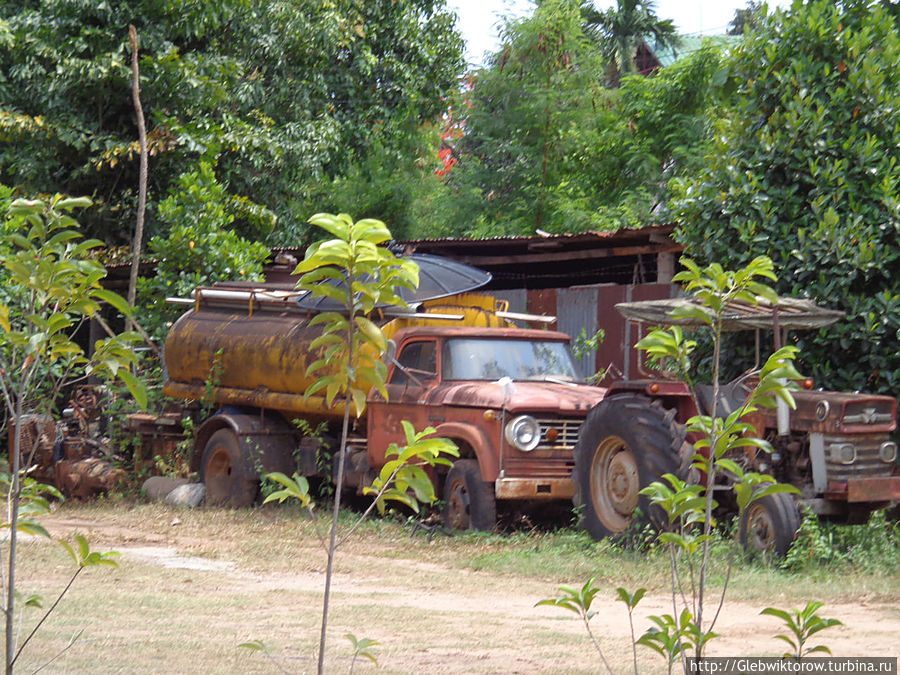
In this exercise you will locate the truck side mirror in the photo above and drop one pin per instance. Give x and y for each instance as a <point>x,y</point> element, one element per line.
<point>390,352</point>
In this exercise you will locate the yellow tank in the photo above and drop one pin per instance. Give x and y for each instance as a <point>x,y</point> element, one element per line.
<point>252,347</point>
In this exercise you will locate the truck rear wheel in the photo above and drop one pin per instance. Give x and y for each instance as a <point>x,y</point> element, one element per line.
<point>469,501</point>
<point>770,524</point>
<point>626,443</point>
<point>226,473</point>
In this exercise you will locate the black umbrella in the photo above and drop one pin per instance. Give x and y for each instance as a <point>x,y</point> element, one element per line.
<point>438,278</point>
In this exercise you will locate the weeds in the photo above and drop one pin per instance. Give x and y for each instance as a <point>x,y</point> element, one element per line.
<point>873,547</point>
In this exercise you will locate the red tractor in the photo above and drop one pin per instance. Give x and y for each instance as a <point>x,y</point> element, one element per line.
<point>835,447</point>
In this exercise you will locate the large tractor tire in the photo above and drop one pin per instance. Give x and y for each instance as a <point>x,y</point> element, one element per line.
<point>469,502</point>
<point>627,442</point>
<point>770,524</point>
<point>226,472</point>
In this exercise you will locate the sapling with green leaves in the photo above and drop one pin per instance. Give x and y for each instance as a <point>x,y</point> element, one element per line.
<point>720,439</point>
<point>362,647</point>
<point>803,624</point>
<point>51,287</point>
<point>631,601</point>
<point>673,638</point>
<point>355,271</point>
<point>579,601</point>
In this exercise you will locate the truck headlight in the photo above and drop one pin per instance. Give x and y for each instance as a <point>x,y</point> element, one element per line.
<point>523,432</point>
<point>888,452</point>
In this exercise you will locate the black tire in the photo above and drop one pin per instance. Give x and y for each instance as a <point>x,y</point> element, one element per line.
<point>469,502</point>
<point>226,473</point>
<point>770,524</point>
<point>626,443</point>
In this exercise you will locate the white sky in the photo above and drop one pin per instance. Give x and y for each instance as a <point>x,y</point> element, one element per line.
<point>479,19</point>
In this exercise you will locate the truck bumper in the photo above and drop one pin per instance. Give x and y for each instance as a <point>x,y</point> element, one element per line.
<point>857,490</point>
<point>534,488</point>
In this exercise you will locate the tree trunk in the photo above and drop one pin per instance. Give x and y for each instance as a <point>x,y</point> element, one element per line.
<point>142,177</point>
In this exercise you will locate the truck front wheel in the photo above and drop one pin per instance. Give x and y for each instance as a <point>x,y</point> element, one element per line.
<point>626,443</point>
<point>224,470</point>
<point>469,502</point>
<point>770,524</point>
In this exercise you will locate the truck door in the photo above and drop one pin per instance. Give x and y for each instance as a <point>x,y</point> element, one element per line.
<point>413,373</point>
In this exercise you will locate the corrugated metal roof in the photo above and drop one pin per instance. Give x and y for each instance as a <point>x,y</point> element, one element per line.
<point>533,261</point>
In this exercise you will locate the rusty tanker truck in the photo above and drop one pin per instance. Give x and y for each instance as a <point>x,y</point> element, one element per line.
<point>507,396</point>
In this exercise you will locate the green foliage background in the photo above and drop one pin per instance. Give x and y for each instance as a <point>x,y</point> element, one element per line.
<point>548,145</point>
<point>804,167</point>
<point>275,96</point>
<point>263,113</point>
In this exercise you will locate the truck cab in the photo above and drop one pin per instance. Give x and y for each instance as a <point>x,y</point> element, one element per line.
<point>510,399</point>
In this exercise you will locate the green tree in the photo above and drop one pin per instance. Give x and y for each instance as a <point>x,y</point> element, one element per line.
<point>546,146</point>
<point>527,114</point>
<point>744,18</point>
<point>273,95</point>
<point>358,274</point>
<point>720,441</point>
<point>620,30</point>
<point>804,167</point>
<point>654,129</point>
<point>399,184</point>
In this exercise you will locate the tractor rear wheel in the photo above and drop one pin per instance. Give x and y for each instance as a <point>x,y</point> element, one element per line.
<point>627,442</point>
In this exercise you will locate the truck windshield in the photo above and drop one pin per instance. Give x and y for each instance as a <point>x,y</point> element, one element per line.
<point>491,359</point>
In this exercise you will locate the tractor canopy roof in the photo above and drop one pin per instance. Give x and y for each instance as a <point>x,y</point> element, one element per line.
<point>787,313</point>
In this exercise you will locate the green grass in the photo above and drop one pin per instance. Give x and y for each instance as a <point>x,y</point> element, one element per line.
<point>144,618</point>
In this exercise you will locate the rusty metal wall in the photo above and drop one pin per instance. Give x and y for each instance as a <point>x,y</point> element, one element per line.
<point>593,307</point>
<point>542,301</point>
<point>576,310</point>
<point>617,351</point>
<point>517,298</point>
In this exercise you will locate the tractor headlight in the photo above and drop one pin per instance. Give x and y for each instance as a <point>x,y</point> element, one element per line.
<point>843,453</point>
<point>888,452</point>
<point>523,432</point>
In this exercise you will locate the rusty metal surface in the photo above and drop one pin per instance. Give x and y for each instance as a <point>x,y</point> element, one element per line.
<point>533,397</point>
<point>883,419</point>
<point>261,359</point>
<point>534,488</point>
<point>87,477</point>
<point>158,435</point>
<point>884,489</point>
<point>69,454</point>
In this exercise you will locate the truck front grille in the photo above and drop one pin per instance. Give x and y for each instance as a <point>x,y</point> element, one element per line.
<point>566,431</point>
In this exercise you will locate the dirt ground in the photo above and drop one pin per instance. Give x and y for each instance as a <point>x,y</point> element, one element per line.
<point>181,603</point>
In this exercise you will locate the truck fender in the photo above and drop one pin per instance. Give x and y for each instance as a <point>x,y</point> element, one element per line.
<point>475,438</point>
<point>267,440</point>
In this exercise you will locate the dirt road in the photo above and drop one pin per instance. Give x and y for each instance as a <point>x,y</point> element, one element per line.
<point>193,585</point>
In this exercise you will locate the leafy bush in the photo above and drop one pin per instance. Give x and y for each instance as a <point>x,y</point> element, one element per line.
<point>198,249</point>
<point>873,547</point>
<point>805,168</point>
